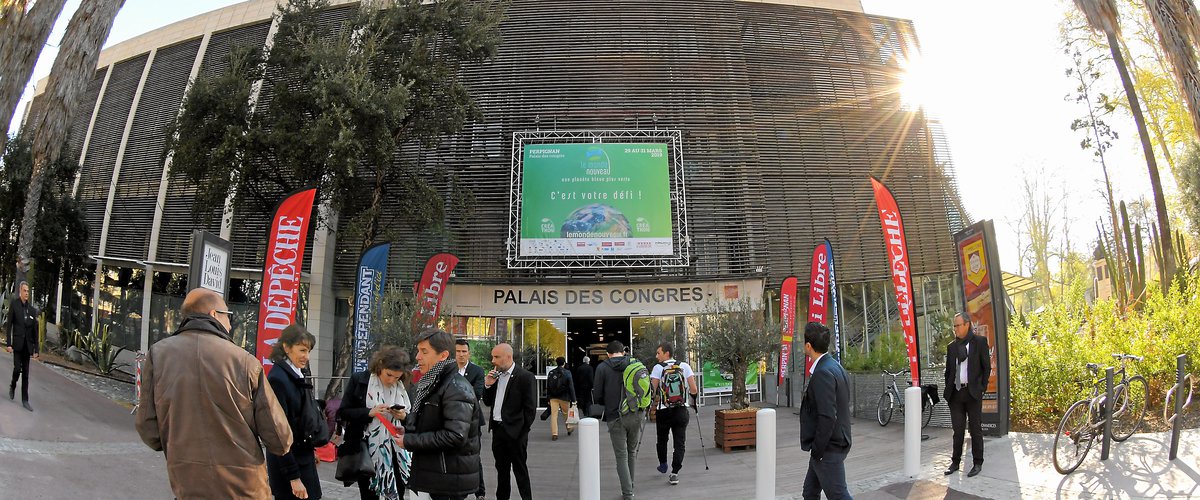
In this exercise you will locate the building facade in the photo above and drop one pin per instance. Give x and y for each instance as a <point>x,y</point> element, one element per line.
<point>783,109</point>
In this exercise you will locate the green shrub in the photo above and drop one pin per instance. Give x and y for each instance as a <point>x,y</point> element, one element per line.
<point>887,352</point>
<point>1049,350</point>
<point>100,351</point>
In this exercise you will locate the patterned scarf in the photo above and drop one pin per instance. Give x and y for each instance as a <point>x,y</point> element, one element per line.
<point>380,446</point>
<point>431,380</point>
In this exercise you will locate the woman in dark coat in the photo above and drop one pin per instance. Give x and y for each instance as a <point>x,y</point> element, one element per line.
<point>294,475</point>
<point>367,394</point>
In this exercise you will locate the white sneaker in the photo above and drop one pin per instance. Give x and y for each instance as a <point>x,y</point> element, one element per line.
<point>673,479</point>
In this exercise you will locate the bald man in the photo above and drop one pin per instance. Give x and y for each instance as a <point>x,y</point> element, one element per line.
<point>511,393</point>
<point>207,406</point>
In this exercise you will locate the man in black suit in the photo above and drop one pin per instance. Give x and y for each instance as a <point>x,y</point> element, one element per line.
<point>825,419</point>
<point>583,377</point>
<point>511,393</point>
<point>968,368</point>
<point>474,375</point>
<point>22,342</point>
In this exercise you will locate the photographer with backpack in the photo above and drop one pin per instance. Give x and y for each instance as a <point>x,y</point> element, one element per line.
<point>672,382</point>
<point>623,388</point>
<point>560,388</point>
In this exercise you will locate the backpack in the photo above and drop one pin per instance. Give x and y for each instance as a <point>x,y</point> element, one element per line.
<point>637,388</point>
<point>672,386</point>
<point>556,382</point>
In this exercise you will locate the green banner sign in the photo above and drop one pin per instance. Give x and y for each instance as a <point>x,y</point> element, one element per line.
<point>602,199</point>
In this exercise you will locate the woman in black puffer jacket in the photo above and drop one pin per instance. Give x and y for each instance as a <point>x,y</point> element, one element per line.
<point>442,432</point>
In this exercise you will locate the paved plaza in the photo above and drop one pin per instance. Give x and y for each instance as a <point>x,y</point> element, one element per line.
<point>80,444</point>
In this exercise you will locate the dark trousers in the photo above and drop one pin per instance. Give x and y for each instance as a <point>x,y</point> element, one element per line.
<point>963,408</point>
<point>828,475</point>
<point>482,491</point>
<point>672,422</point>
<point>21,371</point>
<point>511,454</point>
<point>447,497</point>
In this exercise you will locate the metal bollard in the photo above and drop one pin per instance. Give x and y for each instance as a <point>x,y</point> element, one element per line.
<point>764,452</point>
<point>1106,442</point>
<point>1181,380</point>
<point>912,431</point>
<point>589,459</point>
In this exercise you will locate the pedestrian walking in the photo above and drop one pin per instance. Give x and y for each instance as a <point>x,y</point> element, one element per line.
<point>622,388</point>
<point>22,342</point>
<point>378,391</point>
<point>968,368</point>
<point>443,431</point>
<point>293,475</point>
<point>474,375</point>
<point>583,375</point>
<point>560,388</point>
<point>825,419</point>
<point>511,393</point>
<point>207,406</point>
<point>673,382</point>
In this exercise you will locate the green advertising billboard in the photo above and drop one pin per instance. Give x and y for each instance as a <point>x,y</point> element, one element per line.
<point>595,199</point>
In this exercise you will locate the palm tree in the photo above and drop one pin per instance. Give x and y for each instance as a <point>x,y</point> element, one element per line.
<point>1102,17</point>
<point>73,68</point>
<point>22,36</point>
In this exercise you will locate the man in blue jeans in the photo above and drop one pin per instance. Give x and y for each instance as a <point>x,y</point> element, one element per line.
<point>625,430</point>
<point>825,419</point>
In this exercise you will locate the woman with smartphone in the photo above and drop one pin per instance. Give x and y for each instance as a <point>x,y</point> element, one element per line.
<point>294,475</point>
<point>381,390</point>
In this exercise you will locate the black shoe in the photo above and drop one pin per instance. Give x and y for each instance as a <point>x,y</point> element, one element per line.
<point>26,405</point>
<point>951,470</point>
<point>975,470</point>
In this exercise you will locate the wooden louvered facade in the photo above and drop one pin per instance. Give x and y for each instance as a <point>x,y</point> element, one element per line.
<point>784,112</point>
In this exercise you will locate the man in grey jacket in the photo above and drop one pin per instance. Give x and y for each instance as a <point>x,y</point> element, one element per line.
<point>624,430</point>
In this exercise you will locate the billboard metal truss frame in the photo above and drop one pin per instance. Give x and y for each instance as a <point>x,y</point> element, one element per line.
<point>681,256</point>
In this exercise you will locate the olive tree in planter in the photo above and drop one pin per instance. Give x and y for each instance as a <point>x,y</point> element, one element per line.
<point>735,335</point>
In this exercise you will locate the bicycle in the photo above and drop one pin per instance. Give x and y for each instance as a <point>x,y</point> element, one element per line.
<point>891,399</point>
<point>1084,419</point>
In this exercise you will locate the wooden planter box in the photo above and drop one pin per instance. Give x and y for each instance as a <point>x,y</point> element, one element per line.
<point>735,429</point>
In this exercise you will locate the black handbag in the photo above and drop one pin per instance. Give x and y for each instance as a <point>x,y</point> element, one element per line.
<point>355,466</point>
<point>312,419</point>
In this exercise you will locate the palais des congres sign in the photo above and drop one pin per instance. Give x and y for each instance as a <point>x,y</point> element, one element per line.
<point>651,299</point>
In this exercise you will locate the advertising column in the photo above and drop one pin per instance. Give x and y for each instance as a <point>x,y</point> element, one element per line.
<point>983,296</point>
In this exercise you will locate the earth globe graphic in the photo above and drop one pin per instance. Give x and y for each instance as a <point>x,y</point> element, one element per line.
<point>596,220</point>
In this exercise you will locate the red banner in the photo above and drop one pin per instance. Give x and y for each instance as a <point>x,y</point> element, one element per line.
<point>818,291</point>
<point>787,318</point>
<point>431,288</point>
<point>818,285</point>
<point>281,270</point>
<point>893,236</point>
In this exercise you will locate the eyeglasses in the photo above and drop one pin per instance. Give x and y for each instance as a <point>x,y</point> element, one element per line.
<point>959,324</point>
<point>228,314</point>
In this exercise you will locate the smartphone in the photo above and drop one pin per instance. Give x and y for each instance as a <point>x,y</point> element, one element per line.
<point>396,407</point>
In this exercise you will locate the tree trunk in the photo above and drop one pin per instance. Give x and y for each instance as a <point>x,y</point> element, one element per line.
<point>21,41</point>
<point>341,364</point>
<point>740,399</point>
<point>1167,268</point>
<point>72,70</point>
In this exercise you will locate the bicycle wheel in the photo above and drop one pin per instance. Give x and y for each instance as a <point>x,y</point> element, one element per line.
<point>926,412</point>
<point>1130,412</point>
<point>1073,439</point>
<point>885,408</point>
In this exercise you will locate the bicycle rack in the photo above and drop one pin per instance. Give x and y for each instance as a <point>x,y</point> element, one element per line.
<point>1171,412</point>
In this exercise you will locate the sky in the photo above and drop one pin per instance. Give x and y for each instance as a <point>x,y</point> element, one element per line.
<point>992,72</point>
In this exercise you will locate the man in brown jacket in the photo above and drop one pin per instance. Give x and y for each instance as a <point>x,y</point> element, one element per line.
<point>206,405</point>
